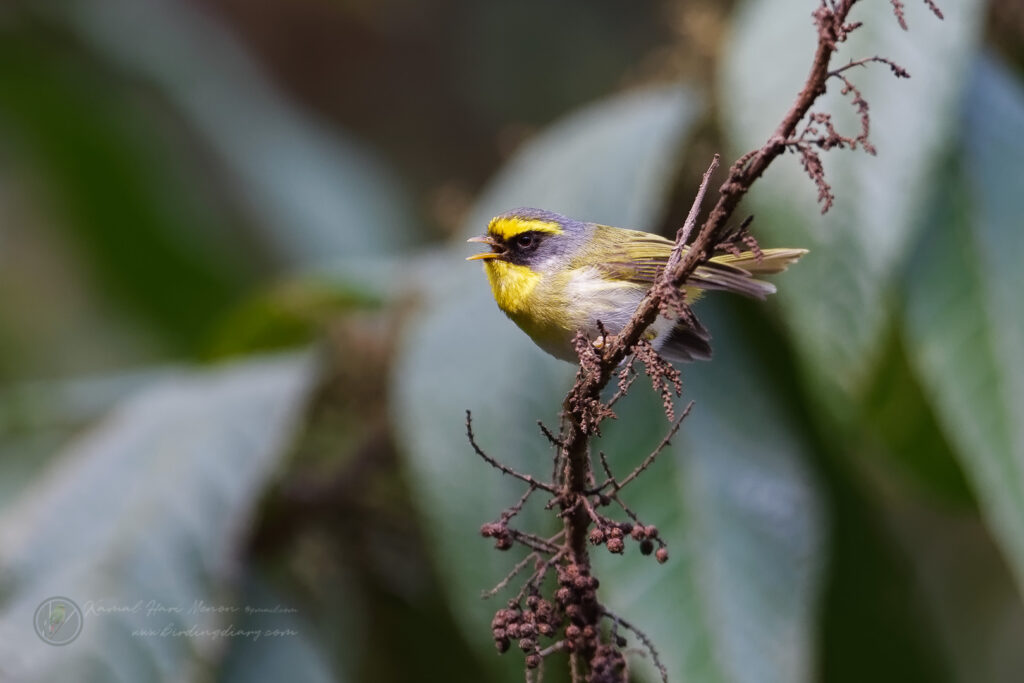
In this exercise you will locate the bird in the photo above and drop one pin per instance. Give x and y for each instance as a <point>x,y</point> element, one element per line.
<point>58,615</point>
<point>553,276</point>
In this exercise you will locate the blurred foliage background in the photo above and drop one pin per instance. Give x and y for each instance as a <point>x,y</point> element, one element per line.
<point>237,336</point>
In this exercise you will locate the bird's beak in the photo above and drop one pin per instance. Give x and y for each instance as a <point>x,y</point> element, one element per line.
<point>497,248</point>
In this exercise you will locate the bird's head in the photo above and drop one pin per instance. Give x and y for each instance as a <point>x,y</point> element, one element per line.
<point>538,240</point>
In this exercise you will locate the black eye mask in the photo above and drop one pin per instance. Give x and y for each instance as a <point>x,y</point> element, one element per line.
<point>523,246</point>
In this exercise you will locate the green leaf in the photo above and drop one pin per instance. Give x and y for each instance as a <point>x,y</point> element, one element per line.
<point>145,511</point>
<point>900,427</point>
<point>285,649</point>
<point>291,314</point>
<point>736,601</point>
<point>837,300</point>
<point>969,597</point>
<point>151,237</point>
<point>315,193</point>
<point>964,321</point>
<point>38,418</point>
<point>611,161</point>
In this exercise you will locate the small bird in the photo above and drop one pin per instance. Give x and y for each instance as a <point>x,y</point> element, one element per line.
<point>58,615</point>
<point>553,275</point>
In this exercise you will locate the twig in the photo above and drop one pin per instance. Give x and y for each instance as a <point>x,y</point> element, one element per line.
<point>499,466</point>
<point>533,541</point>
<point>554,440</point>
<point>643,639</point>
<point>574,490</point>
<point>898,70</point>
<point>542,571</point>
<point>520,566</point>
<point>656,452</point>
<point>514,510</point>
<point>683,235</point>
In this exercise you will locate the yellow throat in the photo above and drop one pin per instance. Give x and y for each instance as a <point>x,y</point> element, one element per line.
<point>512,285</point>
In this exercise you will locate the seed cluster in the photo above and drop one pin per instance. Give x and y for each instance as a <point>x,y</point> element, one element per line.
<point>613,536</point>
<point>525,626</point>
<point>499,532</point>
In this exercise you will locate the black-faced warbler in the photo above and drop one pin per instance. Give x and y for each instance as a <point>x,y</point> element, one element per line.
<point>553,275</point>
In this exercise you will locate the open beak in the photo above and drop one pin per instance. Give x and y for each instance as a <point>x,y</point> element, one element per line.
<point>497,248</point>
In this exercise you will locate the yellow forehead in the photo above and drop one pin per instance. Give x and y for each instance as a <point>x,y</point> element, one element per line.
<point>510,226</point>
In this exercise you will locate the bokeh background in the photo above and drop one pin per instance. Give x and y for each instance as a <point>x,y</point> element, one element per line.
<point>237,337</point>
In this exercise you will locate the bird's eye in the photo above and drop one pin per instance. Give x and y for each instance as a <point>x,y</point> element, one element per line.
<point>525,240</point>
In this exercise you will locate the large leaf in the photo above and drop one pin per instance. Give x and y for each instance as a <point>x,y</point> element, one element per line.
<point>289,650</point>
<point>460,352</point>
<point>965,322</point>
<point>37,418</point>
<point>737,509</point>
<point>150,234</point>
<point>610,163</point>
<point>146,510</point>
<point>317,193</point>
<point>969,596</point>
<point>837,301</point>
<point>736,504</point>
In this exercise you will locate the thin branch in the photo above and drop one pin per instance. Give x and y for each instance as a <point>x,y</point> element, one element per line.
<point>533,541</point>
<point>542,571</point>
<point>615,355</point>
<point>643,639</point>
<point>897,70</point>
<point>520,566</point>
<point>499,466</point>
<point>514,510</point>
<point>554,440</point>
<point>683,235</point>
<point>656,452</point>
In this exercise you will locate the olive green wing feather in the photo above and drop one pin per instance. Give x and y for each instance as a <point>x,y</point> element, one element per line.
<point>639,257</point>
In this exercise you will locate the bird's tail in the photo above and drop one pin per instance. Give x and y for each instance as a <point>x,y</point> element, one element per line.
<point>735,272</point>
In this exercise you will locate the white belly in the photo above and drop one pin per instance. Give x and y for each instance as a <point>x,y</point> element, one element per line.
<point>612,302</point>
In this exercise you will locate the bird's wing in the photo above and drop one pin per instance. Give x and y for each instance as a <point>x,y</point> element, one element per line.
<point>639,257</point>
<point>629,255</point>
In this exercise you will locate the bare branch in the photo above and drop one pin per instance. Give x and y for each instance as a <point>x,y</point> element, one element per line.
<point>643,639</point>
<point>520,566</point>
<point>683,235</point>
<point>574,492</point>
<point>499,466</point>
<point>656,452</point>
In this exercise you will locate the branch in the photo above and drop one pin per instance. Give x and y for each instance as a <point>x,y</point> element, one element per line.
<point>579,499</point>
<point>499,466</point>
